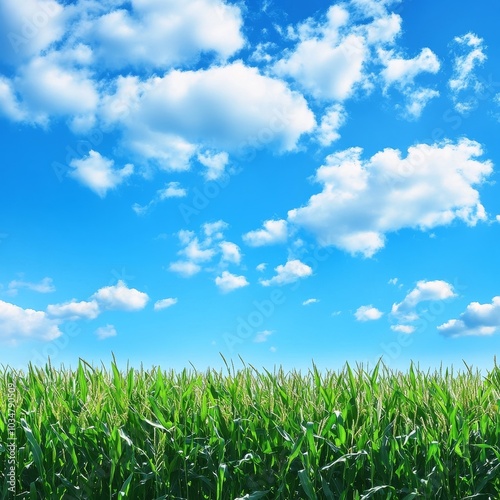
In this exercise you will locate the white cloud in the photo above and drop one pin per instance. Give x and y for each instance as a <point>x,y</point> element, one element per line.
<point>401,73</point>
<point>423,292</point>
<point>274,231</point>
<point>29,27</point>
<point>98,173</point>
<point>333,118</point>
<point>184,30</point>
<point>202,250</point>
<point>229,282</point>
<point>374,8</point>
<point>45,286</point>
<point>230,252</point>
<point>49,87</point>
<point>393,281</point>
<point>184,268</point>
<point>408,329</point>
<point>230,108</point>
<point>470,54</point>
<point>261,267</point>
<point>164,303</point>
<point>16,323</point>
<point>263,336</point>
<point>195,253</point>
<point>74,310</point>
<point>368,313</point>
<point>362,200</point>
<point>417,100</point>
<point>404,71</point>
<point>309,302</point>
<point>171,190</point>
<point>9,104</point>
<point>214,229</point>
<point>478,319</point>
<point>214,163</point>
<point>333,56</point>
<point>120,297</point>
<point>326,67</point>
<point>105,332</point>
<point>292,271</point>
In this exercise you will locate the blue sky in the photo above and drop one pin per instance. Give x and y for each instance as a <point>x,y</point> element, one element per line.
<point>281,182</point>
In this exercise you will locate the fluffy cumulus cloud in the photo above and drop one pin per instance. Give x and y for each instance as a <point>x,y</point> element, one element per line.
<point>230,252</point>
<point>164,303</point>
<point>98,173</point>
<point>363,200</point>
<point>228,282</point>
<point>325,62</point>
<point>464,84</point>
<point>232,107</point>
<point>17,323</point>
<point>342,53</point>
<point>120,297</point>
<point>478,319</point>
<point>423,292</point>
<point>290,272</point>
<point>368,313</point>
<point>74,310</point>
<point>272,232</point>
<point>184,30</point>
<point>29,27</point>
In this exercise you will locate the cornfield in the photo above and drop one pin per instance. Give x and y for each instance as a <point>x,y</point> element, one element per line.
<point>97,433</point>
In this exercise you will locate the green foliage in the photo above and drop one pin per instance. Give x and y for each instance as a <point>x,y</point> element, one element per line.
<point>243,435</point>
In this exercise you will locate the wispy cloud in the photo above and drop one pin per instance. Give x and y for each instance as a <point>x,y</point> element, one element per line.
<point>263,336</point>
<point>165,303</point>
<point>105,332</point>
<point>46,285</point>
<point>309,302</point>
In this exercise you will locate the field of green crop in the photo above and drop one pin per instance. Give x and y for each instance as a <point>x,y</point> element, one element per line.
<point>248,434</point>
